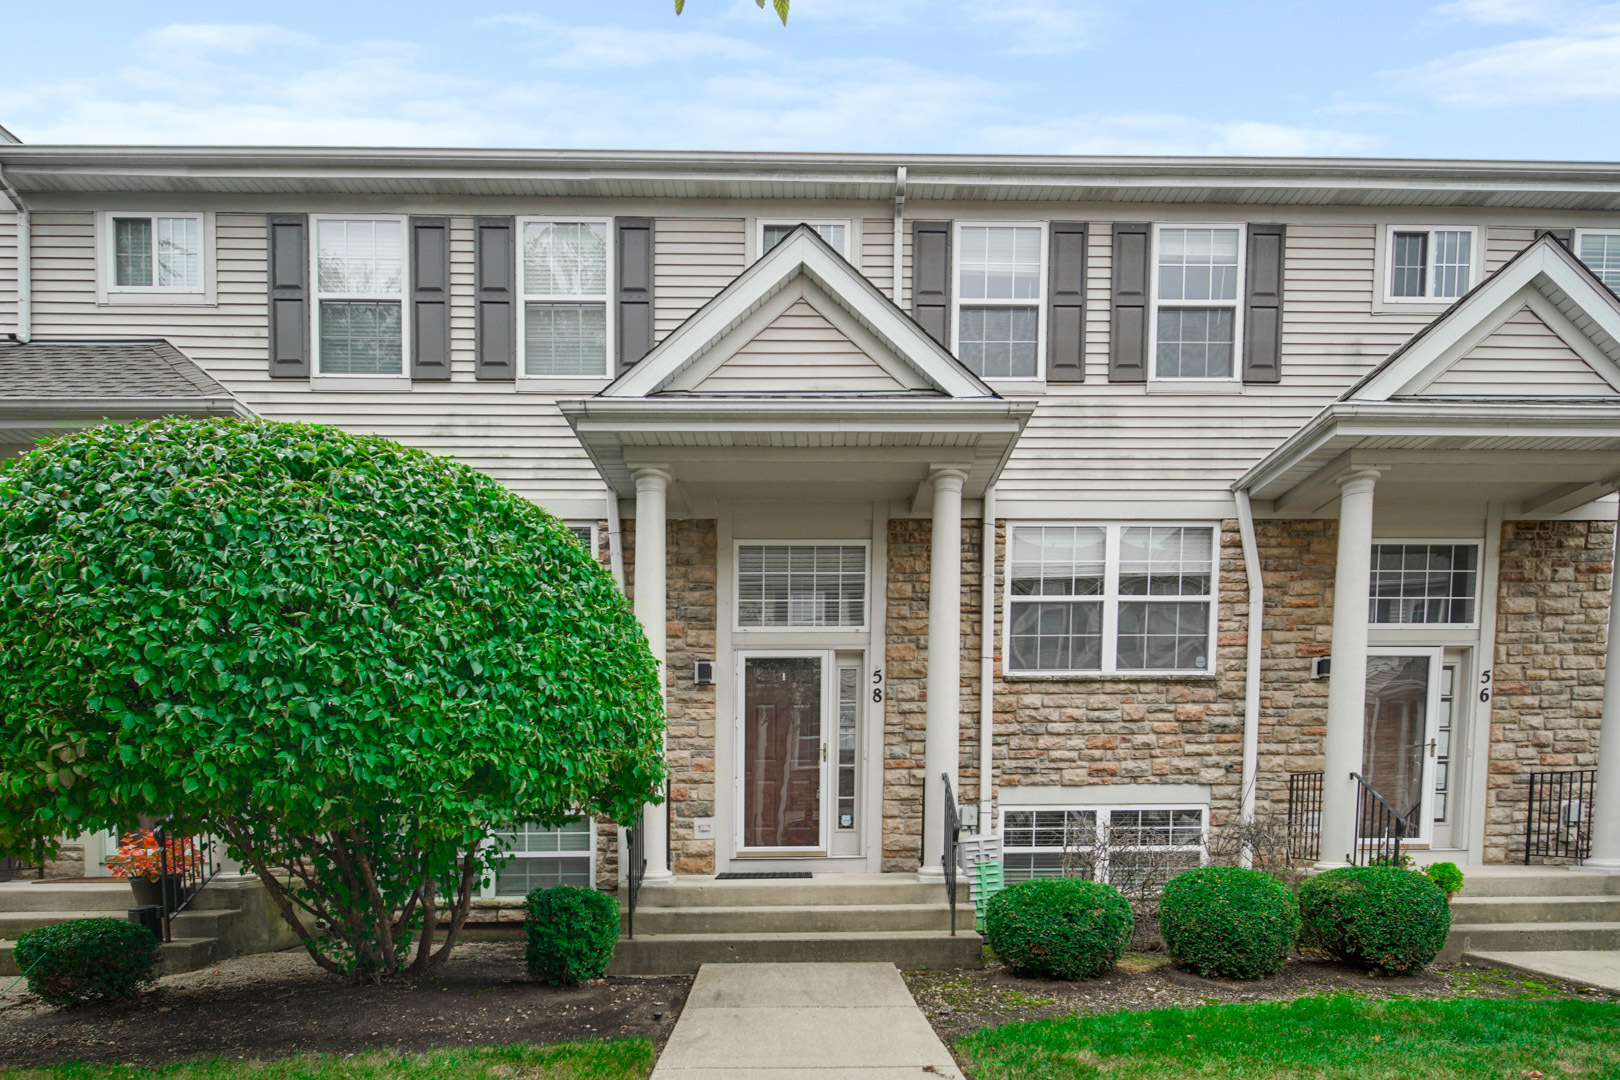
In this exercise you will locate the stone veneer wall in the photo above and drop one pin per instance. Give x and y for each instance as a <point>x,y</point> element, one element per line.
<point>1551,633</point>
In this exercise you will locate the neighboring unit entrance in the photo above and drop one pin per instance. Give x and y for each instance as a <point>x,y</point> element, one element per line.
<point>1401,743</point>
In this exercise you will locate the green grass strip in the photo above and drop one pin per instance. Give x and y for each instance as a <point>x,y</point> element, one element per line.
<point>1340,1037</point>
<point>607,1059</point>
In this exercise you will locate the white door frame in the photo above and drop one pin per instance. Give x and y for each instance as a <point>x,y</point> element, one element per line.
<point>1431,719</point>
<point>829,715</point>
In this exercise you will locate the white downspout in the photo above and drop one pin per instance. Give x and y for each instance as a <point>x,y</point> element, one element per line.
<point>615,539</point>
<point>1251,676</point>
<point>25,263</point>
<point>987,657</point>
<point>897,288</point>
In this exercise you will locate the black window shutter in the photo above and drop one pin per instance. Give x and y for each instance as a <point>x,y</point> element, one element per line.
<point>1563,236</point>
<point>633,260</point>
<point>1127,358</point>
<point>931,278</point>
<point>495,286</point>
<point>430,298</point>
<point>1262,315</point>
<point>1066,303</point>
<point>288,273</point>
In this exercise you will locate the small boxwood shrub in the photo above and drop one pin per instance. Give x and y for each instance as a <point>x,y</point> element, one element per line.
<point>1447,876</point>
<point>84,960</point>
<point>572,931</point>
<point>1059,928</point>
<point>1228,922</point>
<point>1381,917</point>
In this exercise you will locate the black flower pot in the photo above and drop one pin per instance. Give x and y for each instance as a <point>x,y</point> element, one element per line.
<point>168,891</point>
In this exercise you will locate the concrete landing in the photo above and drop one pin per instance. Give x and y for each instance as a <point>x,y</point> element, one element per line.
<point>803,1022</point>
<point>1598,969</point>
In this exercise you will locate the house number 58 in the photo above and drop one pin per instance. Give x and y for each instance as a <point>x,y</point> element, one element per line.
<point>877,685</point>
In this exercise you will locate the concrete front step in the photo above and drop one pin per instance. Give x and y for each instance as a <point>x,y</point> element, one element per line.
<point>1474,910</point>
<point>189,924</point>
<point>181,954</point>
<point>798,918</point>
<point>860,890</point>
<point>108,897</point>
<point>1523,937</point>
<point>683,954</point>
<point>1494,882</point>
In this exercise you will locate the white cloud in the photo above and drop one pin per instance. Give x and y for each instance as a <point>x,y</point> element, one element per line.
<point>1556,14</point>
<point>1159,133</point>
<point>1039,27</point>
<point>1531,72</point>
<point>584,48</point>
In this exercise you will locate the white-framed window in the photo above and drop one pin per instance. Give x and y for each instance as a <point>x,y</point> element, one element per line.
<point>1197,291</point>
<point>565,269</point>
<point>846,777</point>
<point>1110,598</point>
<point>999,298</point>
<point>835,231</point>
<point>804,584</point>
<point>585,533</point>
<point>155,256</point>
<point>543,858</point>
<point>1424,582</point>
<point>362,313</point>
<point>1102,843</point>
<point>1429,264</point>
<point>1599,249</point>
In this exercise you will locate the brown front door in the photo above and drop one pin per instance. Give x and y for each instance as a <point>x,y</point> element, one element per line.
<point>784,703</point>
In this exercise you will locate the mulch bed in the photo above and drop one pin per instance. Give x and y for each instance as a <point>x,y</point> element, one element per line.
<point>959,1003</point>
<point>280,1004</point>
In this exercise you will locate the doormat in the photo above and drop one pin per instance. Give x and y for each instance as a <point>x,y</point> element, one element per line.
<point>730,876</point>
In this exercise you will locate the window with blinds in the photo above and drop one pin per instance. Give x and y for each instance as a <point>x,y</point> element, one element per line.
<point>564,274</point>
<point>801,585</point>
<point>360,285</point>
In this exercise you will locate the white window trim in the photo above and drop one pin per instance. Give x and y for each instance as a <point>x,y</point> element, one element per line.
<point>486,889</point>
<point>596,540</point>
<point>1479,578</point>
<point>1100,809</point>
<point>1110,599</point>
<point>1230,383</point>
<point>1385,264</point>
<point>524,380</point>
<point>109,294</point>
<point>1575,242</point>
<point>760,223</point>
<point>351,380</point>
<point>1040,301</point>
<point>736,581</point>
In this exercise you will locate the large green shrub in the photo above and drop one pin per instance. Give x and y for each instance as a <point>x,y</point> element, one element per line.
<point>1382,917</point>
<point>85,960</point>
<point>1059,928</point>
<point>351,659</point>
<point>1228,922</point>
<point>571,933</point>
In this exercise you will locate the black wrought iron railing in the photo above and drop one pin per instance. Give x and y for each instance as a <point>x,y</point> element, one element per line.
<point>1558,816</point>
<point>635,871</point>
<point>1379,828</point>
<point>14,869</point>
<point>1304,823</point>
<point>185,865</point>
<point>953,833</point>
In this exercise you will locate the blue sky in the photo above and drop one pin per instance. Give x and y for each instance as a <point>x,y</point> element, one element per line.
<point>1467,78</point>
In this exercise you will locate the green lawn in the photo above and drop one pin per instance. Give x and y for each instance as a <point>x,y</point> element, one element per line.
<point>612,1059</point>
<point>1320,1038</point>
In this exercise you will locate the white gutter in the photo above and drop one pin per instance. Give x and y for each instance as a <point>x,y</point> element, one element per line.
<point>1251,675</point>
<point>25,262</point>
<point>987,657</point>
<point>615,538</point>
<point>896,288</point>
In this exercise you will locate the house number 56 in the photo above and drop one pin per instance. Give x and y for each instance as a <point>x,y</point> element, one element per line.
<point>1485,685</point>
<point>877,685</point>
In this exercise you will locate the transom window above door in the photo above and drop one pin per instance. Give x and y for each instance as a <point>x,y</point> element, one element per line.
<point>801,585</point>
<point>564,276</point>
<point>1424,583</point>
<point>1197,279</point>
<point>360,286</point>
<point>1429,263</point>
<point>1000,289</point>
<point>833,230</point>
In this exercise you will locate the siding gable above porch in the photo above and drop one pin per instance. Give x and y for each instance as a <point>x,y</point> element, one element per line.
<point>1526,357</point>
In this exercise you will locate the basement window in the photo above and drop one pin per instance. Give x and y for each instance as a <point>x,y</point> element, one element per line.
<point>1119,845</point>
<point>543,858</point>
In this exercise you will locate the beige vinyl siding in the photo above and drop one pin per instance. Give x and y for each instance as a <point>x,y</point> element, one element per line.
<point>8,272</point>
<point>1502,242</point>
<point>519,438</point>
<point>800,350</point>
<point>693,258</point>
<point>1524,356</point>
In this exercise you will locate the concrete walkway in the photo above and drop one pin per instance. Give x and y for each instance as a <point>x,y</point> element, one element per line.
<point>1596,968</point>
<point>803,1022</point>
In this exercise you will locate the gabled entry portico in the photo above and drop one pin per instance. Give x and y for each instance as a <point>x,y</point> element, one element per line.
<point>730,419</point>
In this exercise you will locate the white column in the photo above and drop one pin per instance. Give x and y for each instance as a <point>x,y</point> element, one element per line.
<point>652,484</point>
<point>1606,794</point>
<point>1347,682</point>
<point>942,744</point>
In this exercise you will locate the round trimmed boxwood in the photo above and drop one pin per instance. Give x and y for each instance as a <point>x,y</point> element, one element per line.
<point>1059,928</point>
<point>84,960</point>
<point>1229,922</point>
<point>1382,917</point>
<point>571,931</point>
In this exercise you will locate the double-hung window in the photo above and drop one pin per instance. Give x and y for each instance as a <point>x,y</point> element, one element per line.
<point>1600,250</point>
<point>1000,299</point>
<point>155,254</point>
<point>360,295</point>
<point>542,858</point>
<point>833,230</point>
<point>1429,264</point>
<point>1110,598</point>
<point>565,269</point>
<point>1118,844</point>
<point>1197,318</point>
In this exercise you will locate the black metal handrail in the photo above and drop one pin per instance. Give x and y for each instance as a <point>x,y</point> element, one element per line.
<point>15,868</point>
<point>1558,816</point>
<point>1379,828</point>
<point>1304,817</point>
<point>185,865</point>
<point>635,871</point>
<point>953,833</point>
